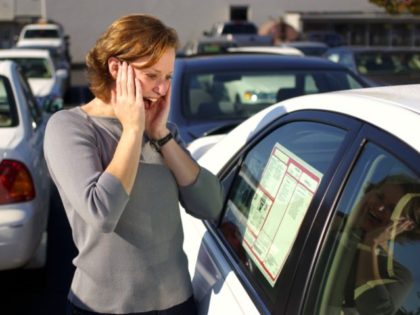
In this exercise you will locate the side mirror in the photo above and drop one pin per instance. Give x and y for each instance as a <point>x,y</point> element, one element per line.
<point>53,105</point>
<point>62,73</point>
<point>206,33</point>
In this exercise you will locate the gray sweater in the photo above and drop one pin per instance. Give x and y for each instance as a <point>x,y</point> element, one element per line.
<point>130,256</point>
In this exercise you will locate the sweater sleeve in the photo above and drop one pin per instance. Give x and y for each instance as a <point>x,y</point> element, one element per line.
<point>204,197</point>
<point>74,162</point>
<point>386,296</point>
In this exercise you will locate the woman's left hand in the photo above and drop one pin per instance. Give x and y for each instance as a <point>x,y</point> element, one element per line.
<point>157,117</point>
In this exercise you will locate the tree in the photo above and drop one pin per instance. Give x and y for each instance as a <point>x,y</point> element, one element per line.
<point>399,6</point>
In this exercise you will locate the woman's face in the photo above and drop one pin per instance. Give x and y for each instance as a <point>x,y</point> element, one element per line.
<point>379,205</point>
<point>156,79</point>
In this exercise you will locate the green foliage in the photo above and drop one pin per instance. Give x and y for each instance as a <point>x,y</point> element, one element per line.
<point>399,6</point>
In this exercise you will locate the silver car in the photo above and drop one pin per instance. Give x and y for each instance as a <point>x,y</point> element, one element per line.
<point>24,178</point>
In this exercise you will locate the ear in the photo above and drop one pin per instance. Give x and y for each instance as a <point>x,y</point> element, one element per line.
<point>113,66</point>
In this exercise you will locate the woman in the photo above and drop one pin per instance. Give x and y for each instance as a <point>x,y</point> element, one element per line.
<point>121,169</point>
<point>378,283</point>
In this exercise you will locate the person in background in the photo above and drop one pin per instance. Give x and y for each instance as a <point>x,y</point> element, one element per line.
<point>121,170</point>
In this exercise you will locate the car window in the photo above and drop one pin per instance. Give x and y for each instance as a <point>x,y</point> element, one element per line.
<point>347,60</point>
<point>398,62</point>
<point>228,95</point>
<point>33,107</point>
<point>8,115</point>
<point>271,194</point>
<point>370,262</point>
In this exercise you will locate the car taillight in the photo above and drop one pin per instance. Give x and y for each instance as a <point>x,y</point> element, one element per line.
<point>16,183</point>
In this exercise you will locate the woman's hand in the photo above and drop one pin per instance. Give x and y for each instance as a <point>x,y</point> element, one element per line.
<point>381,235</point>
<point>127,99</point>
<point>157,117</point>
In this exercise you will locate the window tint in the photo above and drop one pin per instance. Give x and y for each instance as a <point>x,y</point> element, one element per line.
<point>8,115</point>
<point>377,62</point>
<point>41,34</point>
<point>271,194</point>
<point>232,95</point>
<point>370,264</point>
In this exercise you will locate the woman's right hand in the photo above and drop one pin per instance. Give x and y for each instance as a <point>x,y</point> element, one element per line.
<point>127,99</point>
<point>381,235</point>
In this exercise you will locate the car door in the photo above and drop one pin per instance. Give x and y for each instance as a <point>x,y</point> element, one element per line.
<point>246,262</point>
<point>365,248</point>
<point>34,139</point>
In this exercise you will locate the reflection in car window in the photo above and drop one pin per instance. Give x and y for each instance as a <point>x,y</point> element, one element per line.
<point>272,192</point>
<point>233,95</point>
<point>8,116</point>
<point>377,62</point>
<point>374,243</point>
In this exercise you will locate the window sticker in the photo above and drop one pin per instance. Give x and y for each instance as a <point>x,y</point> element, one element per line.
<point>278,207</point>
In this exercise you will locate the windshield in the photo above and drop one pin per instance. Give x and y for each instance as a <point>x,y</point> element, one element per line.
<point>37,68</point>
<point>235,95</point>
<point>388,62</point>
<point>41,34</point>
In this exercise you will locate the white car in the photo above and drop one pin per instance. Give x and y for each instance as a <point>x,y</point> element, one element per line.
<point>279,50</point>
<point>24,178</point>
<point>321,212</point>
<point>47,82</point>
<point>46,33</point>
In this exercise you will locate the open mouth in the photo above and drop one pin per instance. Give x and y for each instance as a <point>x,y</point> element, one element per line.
<point>148,102</point>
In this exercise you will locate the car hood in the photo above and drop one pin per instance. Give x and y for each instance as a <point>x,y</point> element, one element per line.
<point>201,145</point>
<point>41,87</point>
<point>393,79</point>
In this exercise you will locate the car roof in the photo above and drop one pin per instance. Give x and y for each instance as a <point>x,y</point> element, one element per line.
<point>374,48</point>
<point>41,26</point>
<point>24,53</point>
<point>267,49</point>
<point>255,61</point>
<point>378,106</point>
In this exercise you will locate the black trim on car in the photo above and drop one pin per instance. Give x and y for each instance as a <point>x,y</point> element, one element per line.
<point>317,234</point>
<point>283,286</point>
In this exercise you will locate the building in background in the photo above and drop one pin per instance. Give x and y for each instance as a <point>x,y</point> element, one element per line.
<point>356,22</point>
<point>16,13</point>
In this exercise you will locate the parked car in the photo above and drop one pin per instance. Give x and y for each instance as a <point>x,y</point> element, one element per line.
<point>59,59</point>
<point>380,65</point>
<point>321,212</point>
<point>24,178</point>
<point>44,34</point>
<point>308,48</point>
<point>212,94</point>
<point>244,33</point>
<point>48,83</point>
